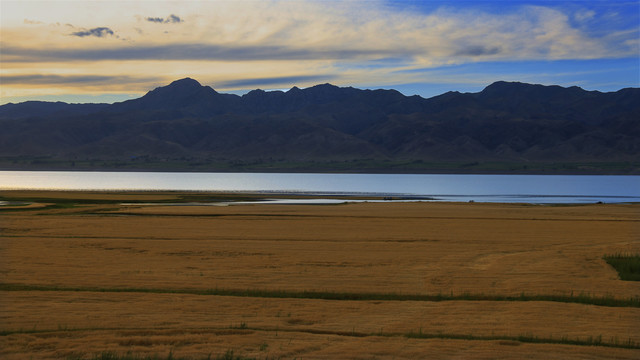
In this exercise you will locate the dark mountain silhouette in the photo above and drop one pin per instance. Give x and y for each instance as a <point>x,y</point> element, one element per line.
<point>30,109</point>
<point>185,122</point>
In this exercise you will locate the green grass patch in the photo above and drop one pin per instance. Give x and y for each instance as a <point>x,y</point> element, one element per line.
<point>604,300</point>
<point>627,265</point>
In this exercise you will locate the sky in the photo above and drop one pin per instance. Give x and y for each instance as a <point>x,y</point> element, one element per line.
<point>108,51</point>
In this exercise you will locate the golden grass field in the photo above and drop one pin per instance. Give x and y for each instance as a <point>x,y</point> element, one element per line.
<point>102,276</point>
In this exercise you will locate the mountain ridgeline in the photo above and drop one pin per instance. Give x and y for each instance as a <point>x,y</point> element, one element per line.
<point>189,126</point>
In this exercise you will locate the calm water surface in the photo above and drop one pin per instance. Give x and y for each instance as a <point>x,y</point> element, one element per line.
<point>481,188</point>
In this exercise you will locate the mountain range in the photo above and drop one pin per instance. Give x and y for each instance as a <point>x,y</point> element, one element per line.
<point>185,125</point>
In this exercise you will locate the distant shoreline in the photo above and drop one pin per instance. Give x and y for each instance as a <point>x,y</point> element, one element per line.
<point>515,188</point>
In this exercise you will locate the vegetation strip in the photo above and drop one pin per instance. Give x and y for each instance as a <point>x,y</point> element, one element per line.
<point>112,355</point>
<point>627,265</point>
<point>590,341</point>
<point>587,299</point>
<point>289,215</point>
<point>564,340</point>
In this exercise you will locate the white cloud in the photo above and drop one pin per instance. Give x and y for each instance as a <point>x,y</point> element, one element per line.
<point>584,15</point>
<point>292,39</point>
<point>447,34</point>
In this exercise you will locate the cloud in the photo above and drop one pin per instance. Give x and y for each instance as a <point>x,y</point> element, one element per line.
<point>584,15</point>
<point>281,80</point>
<point>292,30</point>
<point>155,19</point>
<point>174,19</point>
<point>97,32</point>
<point>185,52</point>
<point>478,51</point>
<point>374,42</point>
<point>73,80</point>
<point>32,22</point>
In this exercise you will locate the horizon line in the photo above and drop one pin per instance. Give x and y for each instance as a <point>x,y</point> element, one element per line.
<point>242,93</point>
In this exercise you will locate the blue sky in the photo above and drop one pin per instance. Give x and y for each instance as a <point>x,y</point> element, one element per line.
<point>106,51</point>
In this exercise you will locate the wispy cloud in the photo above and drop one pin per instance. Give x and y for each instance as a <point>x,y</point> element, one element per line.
<point>32,22</point>
<point>372,43</point>
<point>439,36</point>
<point>173,19</point>
<point>97,32</point>
<point>48,79</point>
<point>155,19</point>
<point>477,51</point>
<point>185,52</point>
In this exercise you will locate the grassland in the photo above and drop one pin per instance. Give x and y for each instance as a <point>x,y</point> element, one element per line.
<point>83,276</point>
<point>627,265</point>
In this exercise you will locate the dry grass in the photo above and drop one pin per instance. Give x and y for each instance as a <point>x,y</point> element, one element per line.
<point>400,248</point>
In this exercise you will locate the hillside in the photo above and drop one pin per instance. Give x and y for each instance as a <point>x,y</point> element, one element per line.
<point>187,126</point>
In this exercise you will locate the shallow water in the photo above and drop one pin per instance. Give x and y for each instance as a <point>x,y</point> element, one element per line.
<point>442,187</point>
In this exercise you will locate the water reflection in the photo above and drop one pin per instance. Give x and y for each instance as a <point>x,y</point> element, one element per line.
<point>441,187</point>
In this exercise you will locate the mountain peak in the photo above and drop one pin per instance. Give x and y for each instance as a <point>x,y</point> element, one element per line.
<point>182,88</point>
<point>186,85</point>
<point>178,94</point>
<point>324,86</point>
<point>507,88</point>
<point>255,92</point>
<point>186,82</point>
<point>504,85</point>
